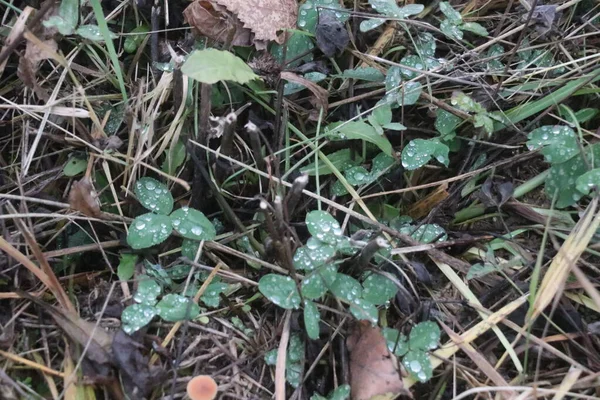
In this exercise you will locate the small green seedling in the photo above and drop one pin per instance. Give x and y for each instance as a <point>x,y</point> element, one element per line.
<point>156,226</point>
<point>294,360</point>
<point>316,260</point>
<point>423,337</point>
<point>341,393</point>
<point>453,26</point>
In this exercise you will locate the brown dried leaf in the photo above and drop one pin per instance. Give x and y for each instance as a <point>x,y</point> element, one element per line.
<point>29,63</point>
<point>83,198</point>
<point>321,95</point>
<point>373,370</point>
<point>264,17</point>
<point>213,21</point>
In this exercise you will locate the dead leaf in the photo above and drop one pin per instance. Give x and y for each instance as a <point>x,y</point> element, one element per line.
<point>425,205</point>
<point>332,36</point>
<point>213,21</point>
<point>95,339</point>
<point>29,63</point>
<point>265,18</point>
<point>83,198</point>
<point>373,370</point>
<point>108,143</point>
<point>321,95</point>
<point>139,379</point>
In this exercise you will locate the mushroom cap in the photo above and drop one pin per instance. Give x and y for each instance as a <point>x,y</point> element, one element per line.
<point>202,387</point>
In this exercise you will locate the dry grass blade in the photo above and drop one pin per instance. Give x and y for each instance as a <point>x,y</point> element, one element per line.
<point>567,257</point>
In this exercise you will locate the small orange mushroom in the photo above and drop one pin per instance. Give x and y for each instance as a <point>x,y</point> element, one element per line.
<point>202,387</point>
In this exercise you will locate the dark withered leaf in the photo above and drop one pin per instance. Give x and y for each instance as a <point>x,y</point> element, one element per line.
<point>139,379</point>
<point>332,36</point>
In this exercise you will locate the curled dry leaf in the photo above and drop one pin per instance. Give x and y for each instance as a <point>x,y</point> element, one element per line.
<point>83,198</point>
<point>213,21</point>
<point>265,18</point>
<point>373,370</point>
<point>321,95</point>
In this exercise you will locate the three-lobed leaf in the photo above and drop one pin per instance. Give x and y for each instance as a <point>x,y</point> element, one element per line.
<point>174,307</point>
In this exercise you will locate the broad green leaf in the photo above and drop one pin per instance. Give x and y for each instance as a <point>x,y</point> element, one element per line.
<point>75,166</point>
<point>425,44</point>
<point>92,32</point>
<point>175,156</point>
<point>369,74</point>
<point>311,319</point>
<point>426,233</point>
<point>67,18</point>
<point>451,30</point>
<point>295,362</point>
<point>424,336</point>
<point>174,307</point>
<point>313,255</point>
<point>126,266</point>
<point>381,162</point>
<point>346,288</point>
<point>115,118</point>
<point>135,38</point>
<point>147,291</point>
<point>370,24</point>
<point>475,28</point>
<point>136,316</point>
<point>391,9</point>
<point>294,87</point>
<point>453,16</point>
<point>466,103</point>
<point>413,62</point>
<point>359,130</point>
<point>148,230</point>
<point>418,152</point>
<point>382,115</point>
<point>394,126</point>
<point>323,226</point>
<point>212,66</point>
<point>280,290</point>
<point>157,272</point>
<point>446,122</point>
<point>341,393</point>
<point>409,93</point>
<point>482,120</point>
<point>396,343</point>
<point>316,284</point>
<point>418,364</point>
<point>189,248</point>
<point>588,181</point>
<point>154,195</point>
<point>377,289</point>
<point>558,143</point>
<point>358,176</point>
<point>193,224</point>
<point>178,272</point>
<point>494,51</point>
<point>341,159</point>
<point>308,13</point>
<point>364,310</point>
<point>297,44</point>
<point>478,270</point>
<point>211,296</point>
